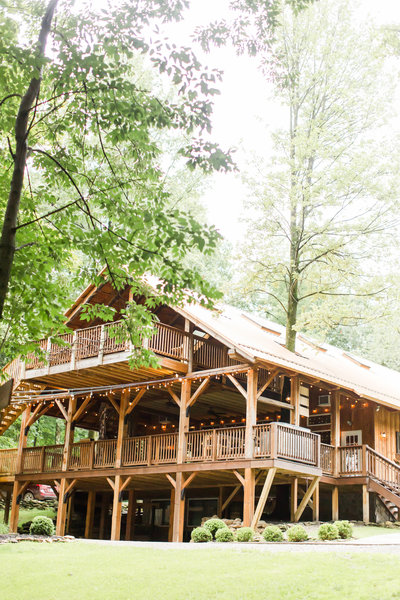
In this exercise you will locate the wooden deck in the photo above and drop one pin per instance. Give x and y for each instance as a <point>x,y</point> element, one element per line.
<point>227,445</point>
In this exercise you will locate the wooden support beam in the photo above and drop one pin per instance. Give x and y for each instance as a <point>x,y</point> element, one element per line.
<point>82,407</point>
<point>251,411</point>
<point>171,514</point>
<point>295,400</point>
<point>248,496</point>
<point>335,503</point>
<point>294,488</point>
<point>121,426</point>
<point>125,483</point>
<point>115,405</point>
<point>263,498</point>
<point>66,487</point>
<point>171,480</point>
<point>90,514</point>
<point>335,430</point>
<point>306,498</point>
<point>18,490</point>
<point>179,509</point>
<point>188,481</point>
<point>315,507</point>
<point>23,439</point>
<point>200,390</point>
<point>36,414</point>
<point>134,402</point>
<point>365,503</point>
<point>183,419</point>
<point>174,396</point>
<point>130,517</point>
<point>273,374</point>
<point>62,409</point>
<point>239,476</point>
<point>69,433</point>
<point>111,483</point>
<point>237,385</point>
<point>230,497</point>
<point>116,510</point>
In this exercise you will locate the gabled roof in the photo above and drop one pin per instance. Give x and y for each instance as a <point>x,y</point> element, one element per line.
<point>262,340</point>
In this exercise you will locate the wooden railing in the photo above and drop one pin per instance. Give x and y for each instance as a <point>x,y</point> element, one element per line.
<point>273,440</point>
<point>351,460</point>
<point>327,459</point>
<point>384,470</point>
<point>8,461</point>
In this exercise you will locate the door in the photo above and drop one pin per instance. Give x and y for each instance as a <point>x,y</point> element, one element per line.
<point>351,456</point>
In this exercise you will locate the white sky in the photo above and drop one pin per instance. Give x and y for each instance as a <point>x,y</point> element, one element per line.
<point>244,98</point>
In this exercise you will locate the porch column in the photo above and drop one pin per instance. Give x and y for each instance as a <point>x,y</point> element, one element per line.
<point>335,430</point>
<point>335,503</point>
<point>293,497</point>
<point>295,400</point>
<point>183,420</point>
<point>90,513</point>
<point>179,509</point>
<point>116,510</point>
<point>16,495</point>
<point>121,427</point>
<point>251,412</point>
<point>365,504</point>
<point>130,517</point>
<point>316,503</point>
<point>7,502</point>
<point>248,496</point>
<point>62,492</point>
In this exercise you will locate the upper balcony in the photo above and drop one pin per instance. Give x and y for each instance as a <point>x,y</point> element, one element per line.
<point>93,346</point>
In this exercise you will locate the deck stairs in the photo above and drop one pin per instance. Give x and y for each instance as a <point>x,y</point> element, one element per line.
<point>388,492</point>
<point>9,415</point>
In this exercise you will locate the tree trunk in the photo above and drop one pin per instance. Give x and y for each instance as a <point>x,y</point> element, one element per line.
<point>8,235</point>
<point>291,317</point>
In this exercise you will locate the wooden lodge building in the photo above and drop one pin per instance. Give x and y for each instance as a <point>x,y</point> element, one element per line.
<point>230,423</point>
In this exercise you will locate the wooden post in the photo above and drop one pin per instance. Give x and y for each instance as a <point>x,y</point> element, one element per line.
<point>131,514</point>
<point>18,491</point>
<point>105,503</point>
<point>63,497</point>
<point>69,433</point>
<point>121,427</point>
<point>251,411</point>
<point>335,503</point>
<point>7,502</point>
<point>23,439</point>
<point>335,430</point>
<point>116,510</point>
<point>306,498</point>
<point>90,514</point>
<point>294,488</point>
<point>179,509</point>
<point>365,504</point>
<point>189,346</point>
<point>248,496</point>
<point>274,439</point>
<point>263,498</point>
<point>316,503</point>
<point>183,420</point>
<point>171,515</point>
<point>295,400</point>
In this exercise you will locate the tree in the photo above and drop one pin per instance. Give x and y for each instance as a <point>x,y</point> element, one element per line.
<point>322,209</point>
<point>83,184</point>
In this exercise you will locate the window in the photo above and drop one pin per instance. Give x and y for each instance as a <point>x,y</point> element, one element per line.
<point>324,400</point>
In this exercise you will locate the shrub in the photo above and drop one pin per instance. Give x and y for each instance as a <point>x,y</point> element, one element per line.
<point>3,528</point>
<point>297,534</point>
<point>328,531</point>
<point>42,526</point>
<point>212,525</point>
<point>25,527</point>
<point>224,535</point>
<point>272,533</point>
<point>200,534</point>
<point>345,529</point>
<point>245,534</point>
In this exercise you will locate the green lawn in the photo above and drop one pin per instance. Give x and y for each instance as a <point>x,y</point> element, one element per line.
<point>109,572</point>
<point>28,515</point>
<point>371,530</point>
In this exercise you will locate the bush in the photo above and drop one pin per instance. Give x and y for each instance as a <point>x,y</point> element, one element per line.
<point>272,533</point>
<point>25,527</point>
<point>212,525</point>
<point>345,529</point>
<point>224,535</point>
<point>297,534</point>
<point>42,526</point>
<point>245,534</point>
<point>3,528</point>
<point>328,531</point>
<point>200,534</point>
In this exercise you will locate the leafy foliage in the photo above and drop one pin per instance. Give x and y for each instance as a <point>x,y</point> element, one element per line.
<point>328,531</point>
<point>244,534</point>
<point>345,529</point>
<point>42,526</point>
<point>224,535</point>
<point>272,533</point>
<point>95,191</point>
<point>201,534</point>
<point>213,525</point>
<point>297,533</point>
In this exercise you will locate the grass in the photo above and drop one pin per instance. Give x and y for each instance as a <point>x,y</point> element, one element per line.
<point>371,530</point>
<point>77,570</point>
<point>29,514</point>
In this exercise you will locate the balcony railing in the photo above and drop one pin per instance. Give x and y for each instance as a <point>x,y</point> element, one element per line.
<point>8,461</point>
<point>103,340</point>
